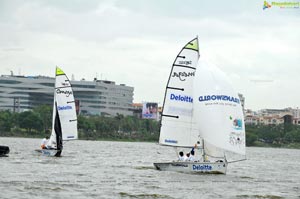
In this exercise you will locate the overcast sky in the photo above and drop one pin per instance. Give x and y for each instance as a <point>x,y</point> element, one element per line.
<point>135,42</point>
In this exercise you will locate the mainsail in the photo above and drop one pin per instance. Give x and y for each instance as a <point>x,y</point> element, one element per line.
<point>218,112</point>
<point>176,126</point>
<point>64,121</point>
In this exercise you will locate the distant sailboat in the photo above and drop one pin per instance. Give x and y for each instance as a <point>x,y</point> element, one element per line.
<point>200,107</point>
<point>64,121</point>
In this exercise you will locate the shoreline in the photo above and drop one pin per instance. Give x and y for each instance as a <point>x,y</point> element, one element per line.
<point>256,144</point>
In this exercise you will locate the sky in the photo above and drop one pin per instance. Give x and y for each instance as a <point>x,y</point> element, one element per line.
<point>135,42</point>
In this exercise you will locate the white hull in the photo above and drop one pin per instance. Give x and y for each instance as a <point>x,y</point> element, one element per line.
<point>49,152</point>
<point>193,167</point>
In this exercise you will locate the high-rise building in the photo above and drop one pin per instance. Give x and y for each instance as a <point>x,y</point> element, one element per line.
<point>98,97</point>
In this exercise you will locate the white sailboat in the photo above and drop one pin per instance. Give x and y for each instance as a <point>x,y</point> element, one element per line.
<point>200,107</point>
<point>64,118</point>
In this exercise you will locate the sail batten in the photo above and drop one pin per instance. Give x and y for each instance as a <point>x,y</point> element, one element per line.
<point>184,66</point>
<point>181,89</point>
<point>62,87</point>
<point>175,116</point>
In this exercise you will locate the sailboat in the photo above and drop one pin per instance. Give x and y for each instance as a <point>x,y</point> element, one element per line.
<point>200,109</point>
<point>64,118</point>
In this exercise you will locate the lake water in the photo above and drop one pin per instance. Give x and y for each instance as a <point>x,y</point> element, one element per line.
<point>99,169</point>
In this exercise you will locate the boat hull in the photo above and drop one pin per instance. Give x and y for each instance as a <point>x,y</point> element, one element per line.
<point>49,152</point>
<point>193,167</point>
<point>4,150</point>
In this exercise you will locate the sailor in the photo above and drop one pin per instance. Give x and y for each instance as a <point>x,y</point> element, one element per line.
<point>187,157</point>
<point>192,154</point>
<point>181,157</point>
<point>44,142</point>
<point>51,145</point>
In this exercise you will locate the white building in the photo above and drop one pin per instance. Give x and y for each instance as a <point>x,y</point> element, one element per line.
<point>98,97</point>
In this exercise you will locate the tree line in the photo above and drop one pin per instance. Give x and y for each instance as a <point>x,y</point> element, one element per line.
<point>38,123</point>
<point>273,135</point>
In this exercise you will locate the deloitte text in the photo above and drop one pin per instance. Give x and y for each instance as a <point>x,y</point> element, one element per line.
<point>62,108</point>
<point>171,141</point>
<point>183,98</point>
<point>219,98</point>
<point>202,167</point>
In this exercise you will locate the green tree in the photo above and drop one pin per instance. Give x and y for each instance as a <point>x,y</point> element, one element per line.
<point>250,139</point>
<point>293,136</point>
<point>6,121</point>
<point>45,114</point>
<point>30,120</point>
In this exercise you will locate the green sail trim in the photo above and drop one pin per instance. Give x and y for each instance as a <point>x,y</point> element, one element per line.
<point>59,71</point>
<point>193,45</point>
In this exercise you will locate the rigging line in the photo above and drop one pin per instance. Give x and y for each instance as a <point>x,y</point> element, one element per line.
<point>237,160</point>
<point>181,89</point>
<point>181,56</point>
<point>184,66</point>
<point>73,120</point>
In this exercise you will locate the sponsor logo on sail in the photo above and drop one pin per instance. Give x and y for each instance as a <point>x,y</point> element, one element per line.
<point>218,98</point>
<point>65,84</point>
<point>62,108</point>
<point>67,92</point>
<point>237,124</point>
<point>183,75</point>
<point>185,62</point>
<point>180,110</point>
<point>237,139</point>
<point>171,141</point>
<point>182,98</point>
<point>204,167</point>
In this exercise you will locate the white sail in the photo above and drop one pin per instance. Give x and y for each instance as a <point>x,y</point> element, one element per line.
<point>176,126</point>
<point>217,111</point>
<point>64,121</point>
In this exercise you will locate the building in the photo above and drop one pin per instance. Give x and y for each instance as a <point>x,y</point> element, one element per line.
<point>273,116</point>
<point>137,109</point>
<point>98,97</point>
